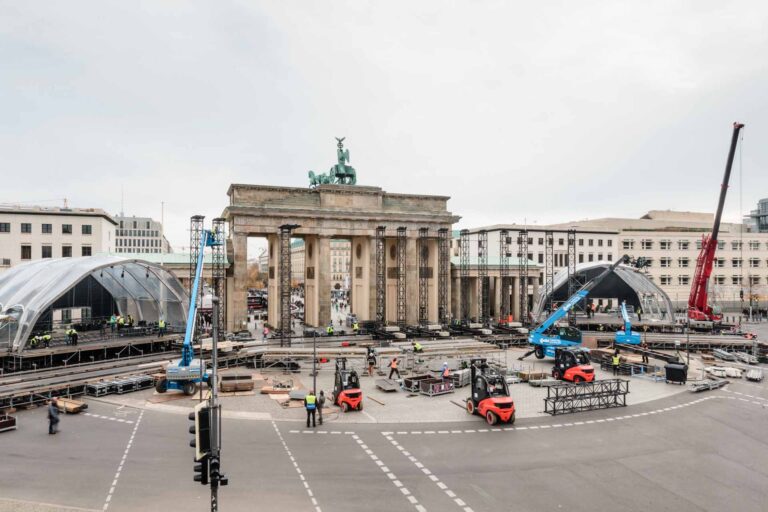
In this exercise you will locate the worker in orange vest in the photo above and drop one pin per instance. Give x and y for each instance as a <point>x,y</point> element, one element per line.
<point>446,372</point>
<point>393,368</point>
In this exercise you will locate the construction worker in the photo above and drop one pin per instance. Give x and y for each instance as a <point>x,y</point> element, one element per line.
<point>393,368</point>
<point>371,361</point>
<point>113,323</point>
<point>33,341</point>
<point>53,416</point>
<point>329,329</point>
<point>446,373</point>
<point>320,405</point>
<point>417,348</point>
<point>615,361</point>
<point>355,327</point>
<point>120,322</point>
<point>46,339</point>
<point>310,404</point>
<point>161,328</point>
<point>71,336</point>
<point>644,346</point>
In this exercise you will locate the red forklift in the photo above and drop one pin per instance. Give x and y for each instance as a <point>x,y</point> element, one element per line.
<point>346,388</point>
<point>490,394</point>
<point>572,364</point>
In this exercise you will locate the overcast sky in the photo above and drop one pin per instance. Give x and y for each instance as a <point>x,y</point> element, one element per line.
<point>537,111</point>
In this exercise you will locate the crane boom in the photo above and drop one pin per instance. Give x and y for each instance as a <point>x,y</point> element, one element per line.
<point>698,307</point>
<point>186,349</point>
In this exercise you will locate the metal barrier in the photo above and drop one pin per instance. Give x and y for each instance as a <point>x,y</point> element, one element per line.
<point>588,396</point>
<point>434,387</point>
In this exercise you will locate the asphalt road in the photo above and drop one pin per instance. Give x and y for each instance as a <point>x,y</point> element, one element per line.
<point>687,453</point>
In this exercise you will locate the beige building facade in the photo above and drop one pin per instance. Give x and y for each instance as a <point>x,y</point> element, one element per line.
<point>32,233</point>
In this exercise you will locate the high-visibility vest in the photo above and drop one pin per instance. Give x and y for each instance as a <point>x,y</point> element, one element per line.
<point>329,330</point>
<point>393,364</point>
<point>616,361</point>
<point>417,346</point>
<point>310,402</point>
<point>446,373</point>
<point>161,324</point>
<point>121,321</point>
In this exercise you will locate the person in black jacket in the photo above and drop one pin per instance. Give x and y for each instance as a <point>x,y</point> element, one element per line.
<point>53,416</point>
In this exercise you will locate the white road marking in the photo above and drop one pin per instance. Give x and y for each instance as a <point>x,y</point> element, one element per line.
<point>99,416</point>
<point>296,466</point>
<point>435,479</point>
<point>111,492</point>
<point>392,478</point>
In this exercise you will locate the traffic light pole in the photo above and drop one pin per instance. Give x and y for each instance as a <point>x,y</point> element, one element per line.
<point>215,414</point>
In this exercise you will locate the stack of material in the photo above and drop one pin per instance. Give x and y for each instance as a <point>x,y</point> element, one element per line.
<point>236,380</point>
<point>527,376</point>
<point>461,377</point>
<point>71,406</point>
<point>278,386</point>
<point>707,384</point>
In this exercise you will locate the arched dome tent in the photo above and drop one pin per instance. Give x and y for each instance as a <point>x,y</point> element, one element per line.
<point>136,287</point>
<point>624,283</point>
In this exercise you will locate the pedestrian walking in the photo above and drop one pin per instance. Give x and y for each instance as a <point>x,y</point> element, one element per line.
<point>393,368</point>
<point>53,416</point>
<point>644,346</point>
<point>615,361</point>
<point>371,361</point>
<point>310,404</point>
<point>320,405</point>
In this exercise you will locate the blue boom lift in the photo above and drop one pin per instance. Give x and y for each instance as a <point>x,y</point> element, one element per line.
<point>627,336</point>
<point>546,337</point>
<point>186,373</point>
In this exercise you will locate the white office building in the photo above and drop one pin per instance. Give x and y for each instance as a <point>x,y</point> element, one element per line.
<point>34,232</point>
<point>140,235</point>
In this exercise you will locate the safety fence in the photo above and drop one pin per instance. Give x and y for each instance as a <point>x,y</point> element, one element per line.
<point>588,396</point>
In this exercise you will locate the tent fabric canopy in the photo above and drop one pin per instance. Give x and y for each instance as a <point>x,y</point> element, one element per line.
<point>142,289</point>
<point>625,283</point>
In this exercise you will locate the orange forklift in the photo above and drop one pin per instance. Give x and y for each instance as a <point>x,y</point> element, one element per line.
<point>346,388</point>
<point>572,364</point>
<point>490,394</point>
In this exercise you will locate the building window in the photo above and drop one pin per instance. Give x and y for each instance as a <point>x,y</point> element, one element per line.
<point>719,279</point>
<point>135,225</point>
<point>720,262</point>
<point>148,225</point>
<point>26,252</point>
<point>683,245</point>
<point>736,280</point>
<point>665,280</point>
<point>5,227</point>
<point>683,280</point>
<point>649,262</point>
<point>754,245</point>
<point>26,227</point>
<point>698,245</point>
<point>87,229</point>
<point>581,242</point>
<point>754,280</point>
<point>541,241</point>
<point>665,245</point>
<point>591,257</point>
<point>736,245</point>
<point>47,229</point>
<point>628,244</point>
<point>560,241</point>
<point>121,224</point>
<point>591,242</point>
<point>47,251</point>
<point>610,256</point>
<point>665,262</point>
<point>754,262</point>
<point>682,262</point>
<point>600,242</point>
<point>85,250</point>
<point>600,257</point>
<point>541,258</point>
<point>720,245</point>
<point>5,262</point>
<point>581,257</point>
<point>66,229</point>
<point>610,243</point>
<point>66,251</point>
<point>646,244</point>
<point>736,262</point>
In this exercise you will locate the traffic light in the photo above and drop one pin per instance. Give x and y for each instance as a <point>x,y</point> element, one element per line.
<point>202,440</point>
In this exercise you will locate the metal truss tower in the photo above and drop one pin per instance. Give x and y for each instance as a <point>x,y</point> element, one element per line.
<point>402,309</point>
<point>483,282</point>
<point>444,263</point>
<point>423,250</point>
<point>464,273</point>
<point>522,254</point>
<point>219,270</point>
<point>285,283</point>
<point>574,280</point>
<point>381,277</point>
<point>504,253</point>
<point>549,267</point>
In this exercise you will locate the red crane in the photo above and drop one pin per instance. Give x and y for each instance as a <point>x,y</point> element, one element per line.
<point>698,308</point>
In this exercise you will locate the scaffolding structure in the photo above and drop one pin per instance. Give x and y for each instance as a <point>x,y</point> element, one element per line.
<point>402,309</point>
<point>574,281</point>
<point>464,273</point>
<point>549,267</point>
<point>381,277</point>
<point>504,254</point>
<point>285,284</point>
<point>483,281</point>
<point>219,271</point>
<point>195,236</point>
<point>444,263</point>
<point>522,254</point>
<point>423,251</point>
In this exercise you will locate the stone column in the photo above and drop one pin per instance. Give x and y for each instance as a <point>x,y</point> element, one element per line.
<point>323,275</point>
<point>514,300</point>
<point>390,257</point>
<point>496,295</point>
<point>273,288</point>
<point>237,307</point>
<point>361,274</point>
<point>455,297</point>
<point>372,275</point>
<point>311,296</point>
<point>433,262</point>
<point>412,282</point>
